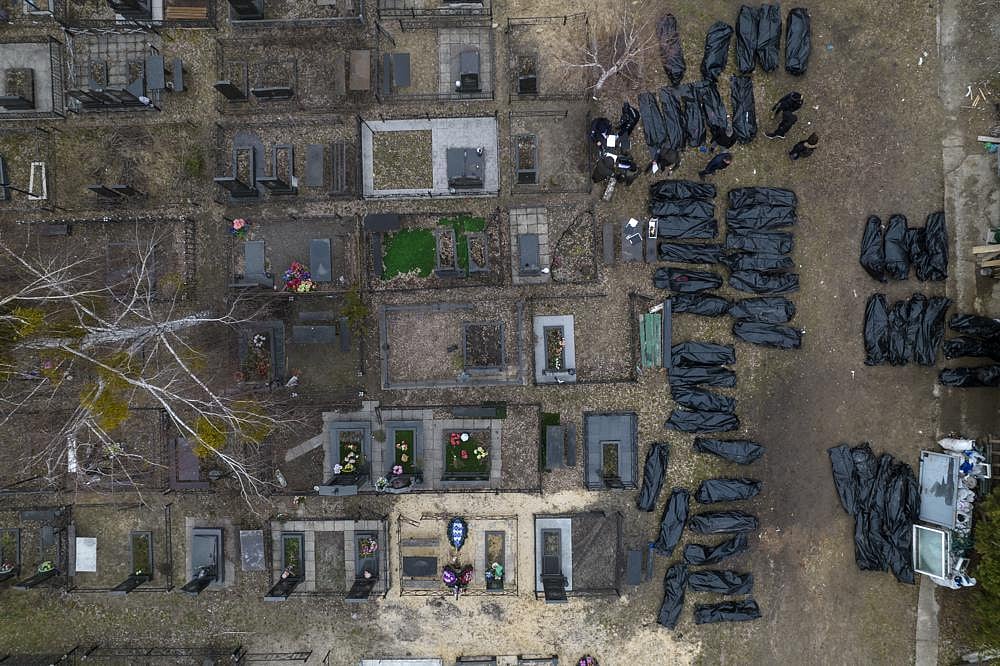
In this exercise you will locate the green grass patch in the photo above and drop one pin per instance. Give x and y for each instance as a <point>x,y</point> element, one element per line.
<point>412,250</point>
<point>462,458</point>
<point>408,250</point>
<point>461,224</point>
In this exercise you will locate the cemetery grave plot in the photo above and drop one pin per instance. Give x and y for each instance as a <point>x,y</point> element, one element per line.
<point>33,459</point>
<point>324,348</point>
<point>315,159</point>
<point>293,10</point>
<point>426,345</point>
<point>436,63</point>
<point>31,77</point>
<point>602,335</point>
<point>280,76</point>
<point>432,250</point>
<point>572,237</point>
<point>113,69</point>
<point>95,13</point>
<point>586,548</point>
<point>326,247</point>
<point>464,159</point>
<point>546,155</point>
<point>41,459</point>
<point>302,471</point>
<point>134,458</point>
<point>537,47</point>
<point>132,539</point>
<point>431,8</point>
<point>32,535</point>
<point>490,547</point>
<point>402,160</point>
<point>27,162</point>
<point>332,557</point>
<point>155,164</point>
<point>115,250</point>
<point>406,63</point>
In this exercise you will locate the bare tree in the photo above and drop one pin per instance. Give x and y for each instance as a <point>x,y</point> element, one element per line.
<point>616,53</point>
<point>68,336</point>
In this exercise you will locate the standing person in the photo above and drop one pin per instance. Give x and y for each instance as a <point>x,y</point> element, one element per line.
<point>788,119</point>
<point>804,148</point>
<point>717,163</point>
<point>790,102</point>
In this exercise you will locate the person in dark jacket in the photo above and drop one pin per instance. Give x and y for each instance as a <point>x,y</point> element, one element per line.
<point>788,119</point>
<point>717,163</point>
<point>724,140</point>
<point>790,102</point>
<point>666,160</point>
<point>804,148</point>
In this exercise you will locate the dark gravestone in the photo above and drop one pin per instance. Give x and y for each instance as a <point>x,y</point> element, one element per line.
<point>317,315</point>
<point>103,191</point>
<point>468,71</point>
<point>420,567</point>
<point>314,334</point>
<point>315,165</point>
<point>345,335</point>
<point>386,78</point>
<point>4,180</point>
<point>465,167</point>
<point>155,72</point>
<point>382,222</point>
<point>633,567</point>
<point>555,446</point>
<point>401,70</point>
<point>229,91</point>
<point>206,559</point>
<point>319,260</point>
<point>377,257</point>
<point>246,10</point>
<point>272,93</point>
<point>474,412</point>
<point>125,190</point>
<point>529,260</point>
<point>254,271</point>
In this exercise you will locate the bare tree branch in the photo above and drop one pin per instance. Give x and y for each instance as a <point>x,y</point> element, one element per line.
<point>617,53</point>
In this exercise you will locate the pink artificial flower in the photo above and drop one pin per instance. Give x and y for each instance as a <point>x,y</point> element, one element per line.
<point>464,454</point>
<point>397,470</point>
<point>239,223</point>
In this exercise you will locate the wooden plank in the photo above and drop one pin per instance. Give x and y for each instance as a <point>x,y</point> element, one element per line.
<point>988,139</point>
<point>667,327</point>
<point>991,263</point>
<point>986,249</point>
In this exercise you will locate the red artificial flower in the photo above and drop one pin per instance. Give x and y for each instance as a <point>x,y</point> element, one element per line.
<point>464,454</point>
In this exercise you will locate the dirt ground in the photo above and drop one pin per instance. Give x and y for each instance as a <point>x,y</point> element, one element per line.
<point>872,94</point>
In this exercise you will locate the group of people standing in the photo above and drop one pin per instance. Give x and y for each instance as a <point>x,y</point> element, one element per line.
<point>786,106</point>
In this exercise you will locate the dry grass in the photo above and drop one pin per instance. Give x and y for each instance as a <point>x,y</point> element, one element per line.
<point>402,160</point>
